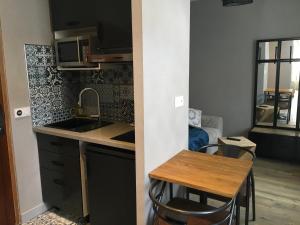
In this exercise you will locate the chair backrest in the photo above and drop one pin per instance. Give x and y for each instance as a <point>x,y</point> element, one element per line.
<point>232,151</point>
<point>180,216</point>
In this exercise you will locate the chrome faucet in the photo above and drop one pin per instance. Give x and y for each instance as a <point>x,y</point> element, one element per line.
<point>98,100</point>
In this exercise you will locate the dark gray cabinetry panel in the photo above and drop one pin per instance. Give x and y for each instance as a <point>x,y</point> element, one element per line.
<point>60,173</point>
<point>74,14</point>
<point>274,146</point>
<point>111,185</point>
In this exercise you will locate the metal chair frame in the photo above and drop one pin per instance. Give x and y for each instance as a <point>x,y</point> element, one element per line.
<point>158,206</point>
<point>250,183</point>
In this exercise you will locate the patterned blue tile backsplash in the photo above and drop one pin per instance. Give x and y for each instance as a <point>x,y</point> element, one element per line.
<point>54,93</point>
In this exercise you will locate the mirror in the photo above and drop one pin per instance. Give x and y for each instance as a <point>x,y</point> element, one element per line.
<point>265,100</point>
<point>290,49</point>
<point>267,50</point>
<point>288,94</point>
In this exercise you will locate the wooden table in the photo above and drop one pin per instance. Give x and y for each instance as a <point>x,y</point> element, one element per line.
<point>210,173</point>
<point>281,91</point>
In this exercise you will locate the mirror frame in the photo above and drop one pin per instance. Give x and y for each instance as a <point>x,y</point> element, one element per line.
<point>278,62</point>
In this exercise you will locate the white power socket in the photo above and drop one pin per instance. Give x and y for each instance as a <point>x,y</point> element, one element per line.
<point>179,101</point>
<point>22,112</point>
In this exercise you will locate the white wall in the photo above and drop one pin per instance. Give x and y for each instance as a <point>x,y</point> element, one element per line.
<point>161,53</point>
<point>161,72</point>
<point>24,22</point>
<point>223,53</point>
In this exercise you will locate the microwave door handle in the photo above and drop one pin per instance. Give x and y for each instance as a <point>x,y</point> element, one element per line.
<point>78,50</point>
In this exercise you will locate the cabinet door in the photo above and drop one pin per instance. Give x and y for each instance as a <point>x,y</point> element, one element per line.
<point>60,173</point>
<point>264,144</point>
<point>111,188</point>
<point>73,14</point>
<point>69,14</point>
<point>298,150</point>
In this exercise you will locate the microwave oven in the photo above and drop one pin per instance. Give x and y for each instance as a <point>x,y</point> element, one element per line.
<point>83,51</point>
<point>73,51</point>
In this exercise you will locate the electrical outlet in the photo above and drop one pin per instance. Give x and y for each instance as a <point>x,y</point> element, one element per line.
<point>22,112</point>
<point>179,101</point>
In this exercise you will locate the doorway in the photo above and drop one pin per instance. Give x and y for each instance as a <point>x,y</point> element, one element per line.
<point>9,214</point>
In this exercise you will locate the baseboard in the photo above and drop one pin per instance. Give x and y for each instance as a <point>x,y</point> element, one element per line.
<point>34,212</point>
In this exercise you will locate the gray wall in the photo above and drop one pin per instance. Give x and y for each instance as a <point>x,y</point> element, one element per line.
<point>223,53</point>
<point>164,42</point>
<point>24,22</point>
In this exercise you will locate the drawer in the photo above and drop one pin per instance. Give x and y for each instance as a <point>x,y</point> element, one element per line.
<point>57,145</point>
<point>52,187</point>
<point>52,161</point>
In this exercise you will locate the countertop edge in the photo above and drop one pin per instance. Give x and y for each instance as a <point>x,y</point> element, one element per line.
<point>87,137</point>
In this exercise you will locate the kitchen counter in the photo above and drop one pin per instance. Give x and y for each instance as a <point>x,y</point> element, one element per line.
<point>98,136</point>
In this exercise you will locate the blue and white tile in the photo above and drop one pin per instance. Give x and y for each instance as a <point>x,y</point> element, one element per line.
<point>126,92</point>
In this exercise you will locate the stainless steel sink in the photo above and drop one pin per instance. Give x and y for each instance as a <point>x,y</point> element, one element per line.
<point>79,124</point>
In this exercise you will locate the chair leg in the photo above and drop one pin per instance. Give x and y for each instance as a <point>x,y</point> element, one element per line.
<point>171,190</point>
<point>203,198</point>
<point>253,195</point>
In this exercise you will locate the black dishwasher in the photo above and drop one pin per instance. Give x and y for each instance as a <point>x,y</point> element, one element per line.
<point>111,185</point>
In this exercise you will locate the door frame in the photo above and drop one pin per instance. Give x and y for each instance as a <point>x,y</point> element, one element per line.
<point>14,207</point>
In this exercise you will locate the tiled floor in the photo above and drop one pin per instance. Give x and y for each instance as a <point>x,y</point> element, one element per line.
<point>51,218</point>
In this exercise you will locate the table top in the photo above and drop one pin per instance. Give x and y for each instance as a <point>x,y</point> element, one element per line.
<point>281,90</point>
<point>244,142</point>
<point>210,173</point>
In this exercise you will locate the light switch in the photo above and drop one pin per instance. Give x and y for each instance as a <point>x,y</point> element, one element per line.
<point>179,101</point>
<point>22,112</point>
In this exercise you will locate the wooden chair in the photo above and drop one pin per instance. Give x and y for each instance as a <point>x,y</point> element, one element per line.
<point>285,103</point>
<point>247,190</point>
<point>181,211</point>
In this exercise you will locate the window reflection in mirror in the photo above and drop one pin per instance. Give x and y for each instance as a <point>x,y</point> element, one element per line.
<point>288,94</point>
<point>267,50</point>
<point>265,97</point>
<point>290,49</point>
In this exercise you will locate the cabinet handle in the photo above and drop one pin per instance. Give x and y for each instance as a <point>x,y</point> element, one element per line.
<point>58,182</point>
<point>54,143</point>
<point>78,50</point>
<point>56,163</point>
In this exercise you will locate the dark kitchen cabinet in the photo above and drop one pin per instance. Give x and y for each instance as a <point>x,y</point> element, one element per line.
<point>74,14</point>
<point>111,185</point>
<point>275,145</point>
<point>60,173</point>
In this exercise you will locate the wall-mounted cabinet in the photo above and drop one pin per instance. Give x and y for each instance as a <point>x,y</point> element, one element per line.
<point>74,14</point>
<point>111,17</point>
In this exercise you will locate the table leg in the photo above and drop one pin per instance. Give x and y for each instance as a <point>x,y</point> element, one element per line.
<point>253,195</point>
<point>238,210</point>
<point>247,200</point>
